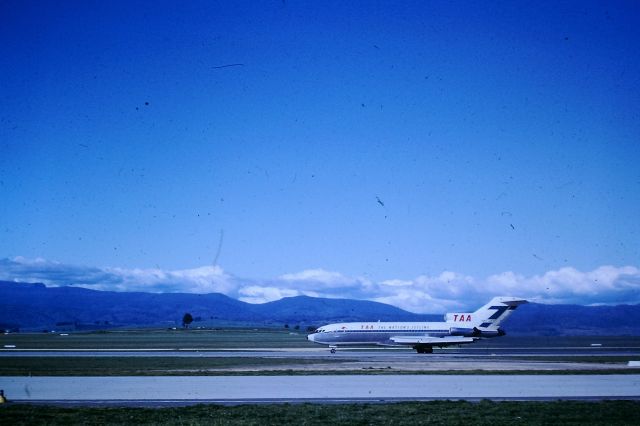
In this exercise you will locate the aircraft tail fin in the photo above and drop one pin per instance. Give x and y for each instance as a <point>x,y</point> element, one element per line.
<point>496,311</point>
<point>490,315</point>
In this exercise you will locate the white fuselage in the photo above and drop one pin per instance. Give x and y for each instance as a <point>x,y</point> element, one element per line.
<point>378,333</point>
<point>458,328</point>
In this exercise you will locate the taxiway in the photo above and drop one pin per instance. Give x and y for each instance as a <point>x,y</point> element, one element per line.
<point>329,388</point>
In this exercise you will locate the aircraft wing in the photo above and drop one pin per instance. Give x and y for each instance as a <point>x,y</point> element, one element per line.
<point>428,340</point>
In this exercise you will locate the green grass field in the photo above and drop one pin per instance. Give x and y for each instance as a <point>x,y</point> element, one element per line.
<point>407,413</point>
<point>160,339</point>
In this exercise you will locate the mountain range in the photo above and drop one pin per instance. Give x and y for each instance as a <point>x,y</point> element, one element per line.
<point>35,307</point>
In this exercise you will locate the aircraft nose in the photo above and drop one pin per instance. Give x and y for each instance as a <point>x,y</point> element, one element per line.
<point>311,337</point>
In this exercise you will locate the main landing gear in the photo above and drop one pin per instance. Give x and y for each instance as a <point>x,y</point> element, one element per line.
<point>333,349</point>
<point>423,349</point>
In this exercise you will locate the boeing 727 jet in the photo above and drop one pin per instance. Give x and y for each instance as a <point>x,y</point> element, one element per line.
<point>457,328</point>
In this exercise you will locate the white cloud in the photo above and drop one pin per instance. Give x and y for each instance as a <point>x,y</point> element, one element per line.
<point>206,279</point>
<point>397,283</point>
<point>414,300</point>
<point>447,292</point>
<point>316,277</point>
<point>452,291</point>
<point>606,284</point>
<point>258,294</point>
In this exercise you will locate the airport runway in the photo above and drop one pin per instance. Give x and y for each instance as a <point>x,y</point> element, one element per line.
<point>322,352</point>
<point>331,388</point>
<point>321,361</point>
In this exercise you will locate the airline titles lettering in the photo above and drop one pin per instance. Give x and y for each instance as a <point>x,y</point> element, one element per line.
<point>461,317</point>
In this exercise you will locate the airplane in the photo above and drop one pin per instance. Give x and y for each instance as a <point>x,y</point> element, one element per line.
<point>457,328</point>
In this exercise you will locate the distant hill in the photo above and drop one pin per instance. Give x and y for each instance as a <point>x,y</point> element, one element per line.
<point>313,310</point>
<point>574,320</point>
<point>34,307</point>
<point>37,306</point>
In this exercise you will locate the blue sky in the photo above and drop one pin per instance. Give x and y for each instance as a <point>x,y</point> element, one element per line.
<point>250,143</point>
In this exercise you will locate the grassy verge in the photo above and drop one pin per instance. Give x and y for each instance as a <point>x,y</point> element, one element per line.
<point>202,366</point>
<point>408,413</point>
<point>160,339</point>
<point>595,359</point>
<point>140,366</point>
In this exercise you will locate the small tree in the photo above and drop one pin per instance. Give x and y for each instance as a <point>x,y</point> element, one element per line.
<point>186,320</point>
